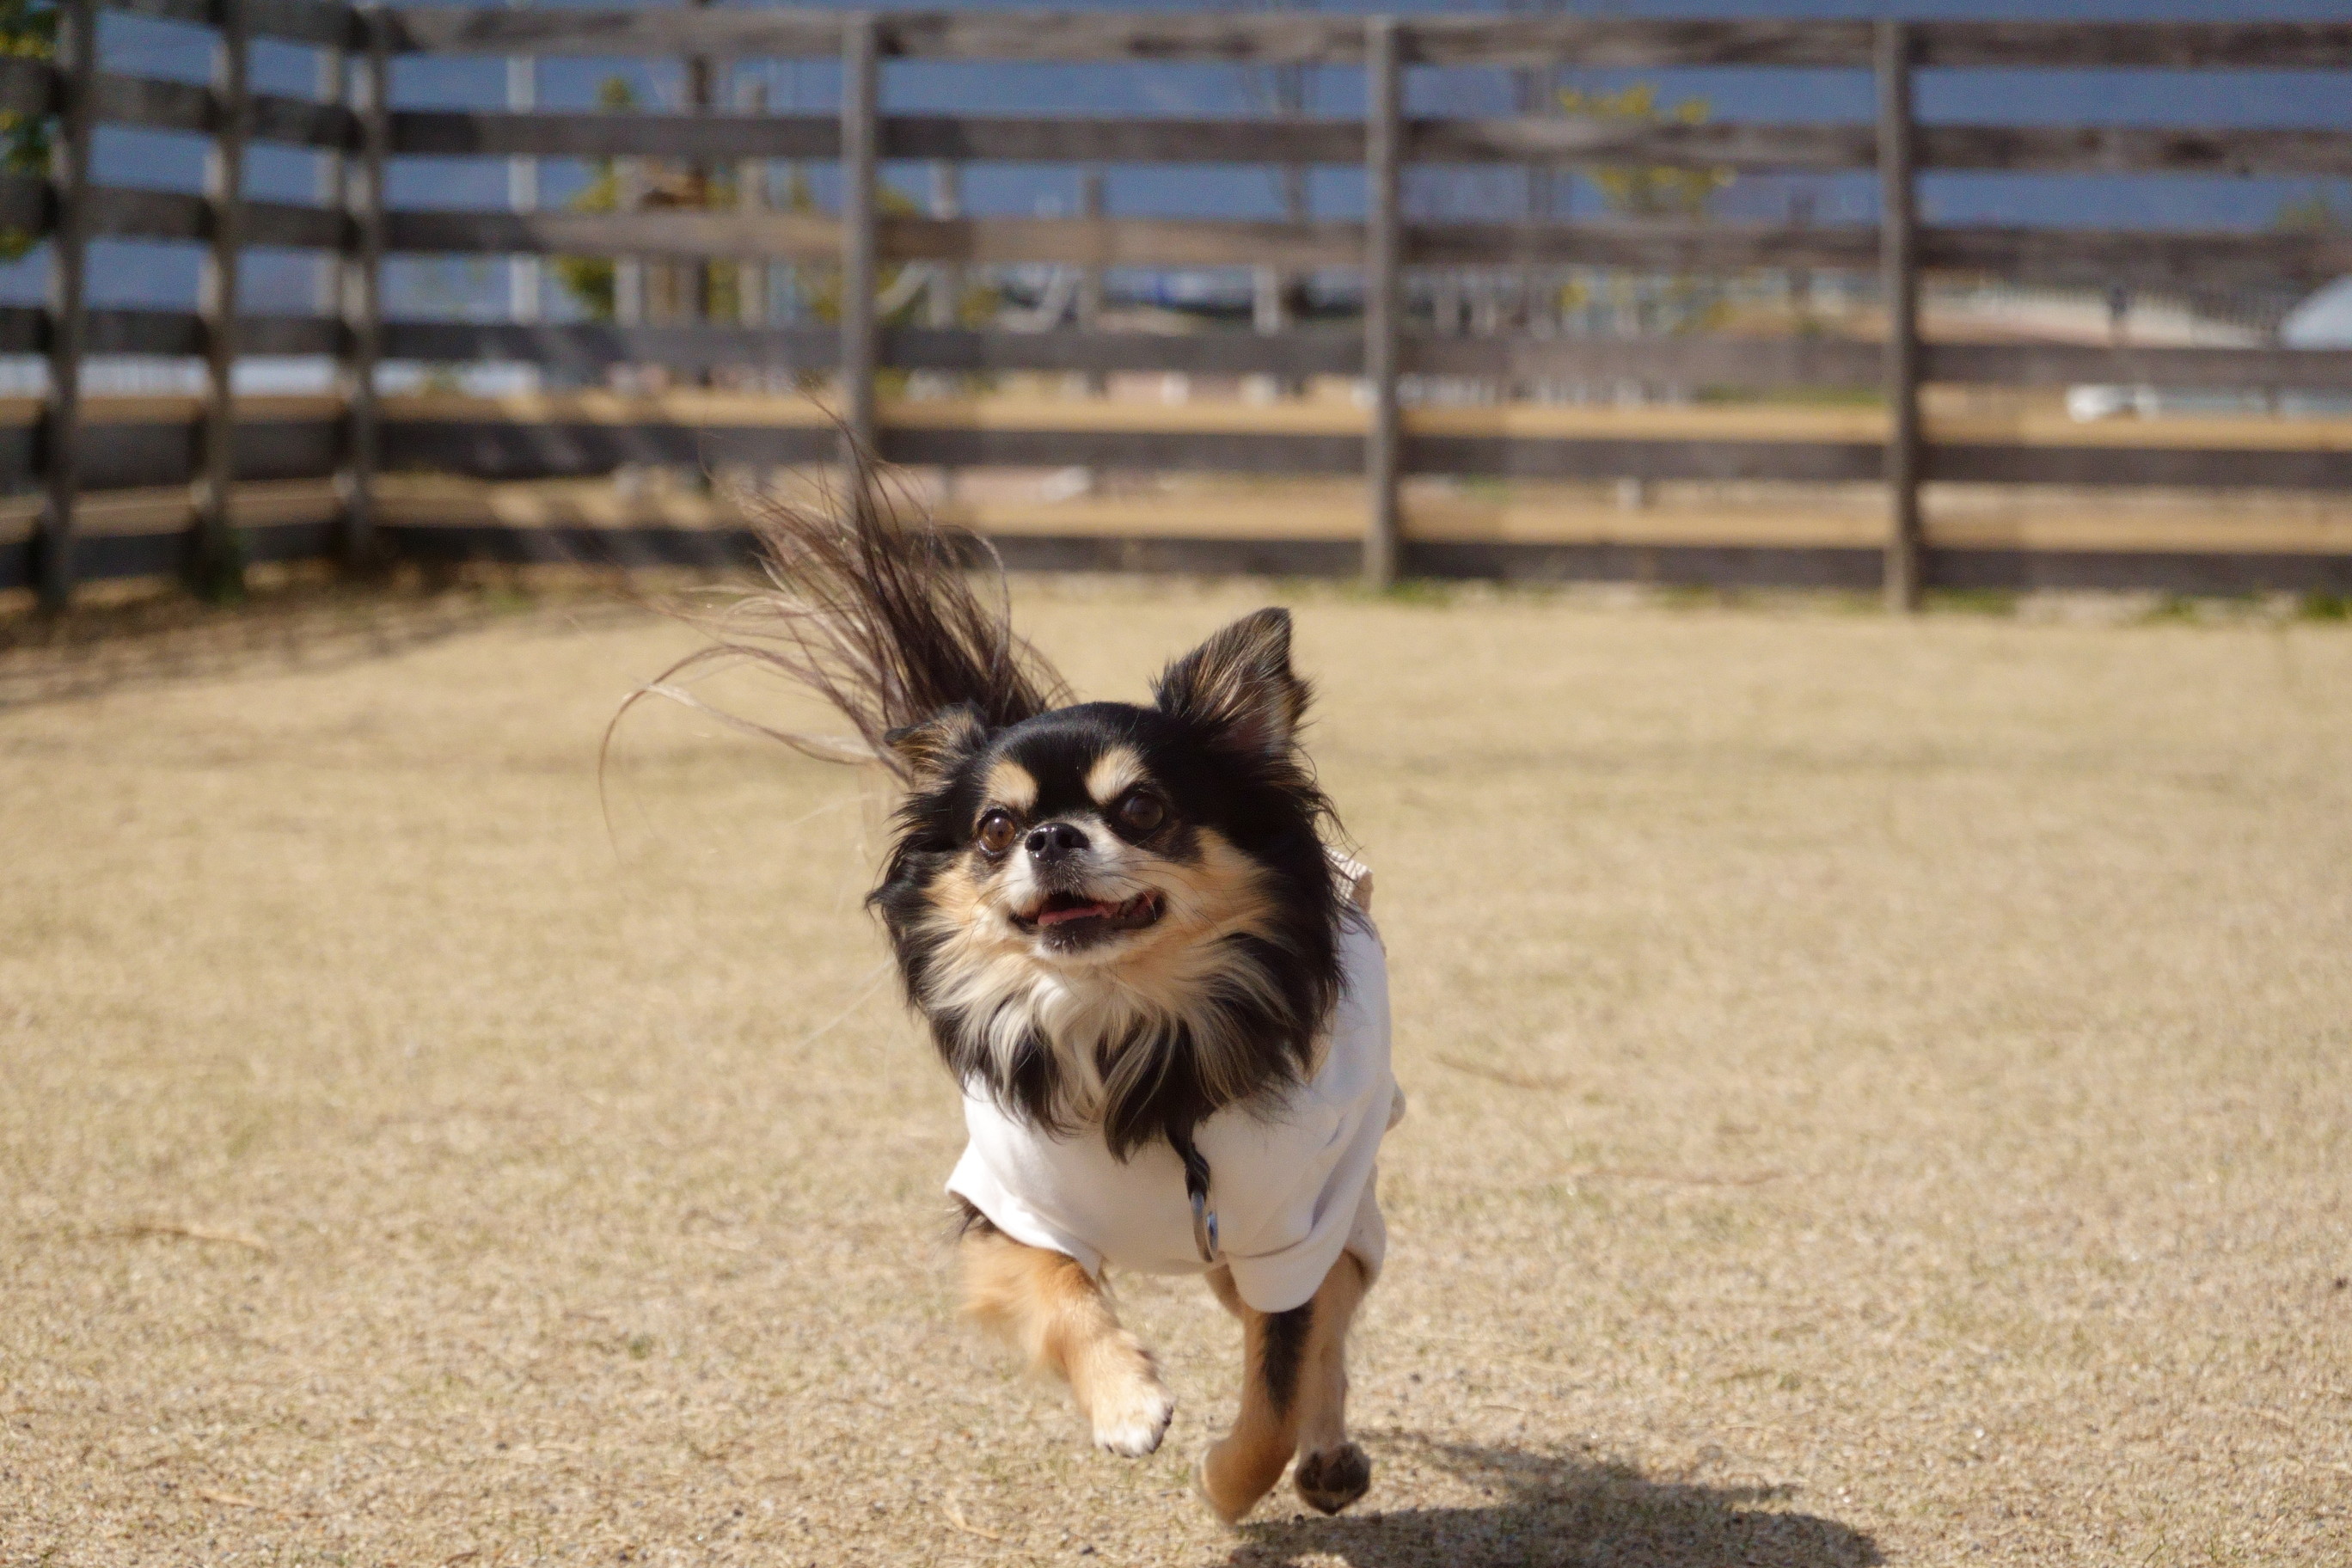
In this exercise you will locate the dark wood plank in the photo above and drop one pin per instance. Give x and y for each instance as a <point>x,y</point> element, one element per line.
<point>2212,573</point>
<point>1687,362</point>
<point>24,203</point>
<point>2135,149</point>
<point>2179,46</point>
<point>1728,144</point>
<point>192,107</point>
<point>2066,365</point>
<point>601,548</point>
<point>2206,468</point>
<point>2098,257</point>
<point>558,450</point>
<point>301,21</point>
<point>1837,567</point>
<point>1242,39</point>
<point>1291,38</point>
<point>28,86</point>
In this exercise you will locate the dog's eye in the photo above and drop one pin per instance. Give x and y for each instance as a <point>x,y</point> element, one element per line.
<point>996,831</point>
<point>1140,811</point>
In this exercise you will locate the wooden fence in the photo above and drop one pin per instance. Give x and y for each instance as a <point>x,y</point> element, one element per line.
<point>293,478</point>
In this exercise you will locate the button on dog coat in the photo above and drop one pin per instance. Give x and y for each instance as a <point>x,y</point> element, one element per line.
<point>1292,1183</point>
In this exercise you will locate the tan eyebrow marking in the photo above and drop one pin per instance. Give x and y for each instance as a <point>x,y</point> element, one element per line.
<point>1115,772</point>
<point>1011,784</point>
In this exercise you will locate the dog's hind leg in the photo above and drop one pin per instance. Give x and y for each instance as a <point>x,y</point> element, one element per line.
<point>1049,1308</point>
<point>1294,1391</point>
<point>1332,1472</point>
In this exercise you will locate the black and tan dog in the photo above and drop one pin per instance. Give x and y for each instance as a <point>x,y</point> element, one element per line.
<point>1158,988</point>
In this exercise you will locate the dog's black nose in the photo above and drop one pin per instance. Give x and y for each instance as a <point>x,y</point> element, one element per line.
<point>1056,840</point>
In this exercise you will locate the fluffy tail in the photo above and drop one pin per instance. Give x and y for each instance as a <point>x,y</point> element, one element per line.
<point>877,616</point>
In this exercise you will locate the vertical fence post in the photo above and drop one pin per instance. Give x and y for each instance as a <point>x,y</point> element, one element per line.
<point>752,197</point>
<point>1898,263</point>
<point>1383,138</point>
<point>860,136</point>
<point>526,275</point>
<point>1087,309</point>
<point>69,253</point>
<point>362,299</point>
<point>219,565</point>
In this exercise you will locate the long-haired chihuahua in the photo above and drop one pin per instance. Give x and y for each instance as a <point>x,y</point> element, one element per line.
<point>1154,980</point>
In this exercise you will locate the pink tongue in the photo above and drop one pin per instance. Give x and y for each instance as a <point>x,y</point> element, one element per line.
<point>1075,912</point>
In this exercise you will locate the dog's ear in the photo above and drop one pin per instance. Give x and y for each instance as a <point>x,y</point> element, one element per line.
<point>1238,687</point>
<point>926,753</point>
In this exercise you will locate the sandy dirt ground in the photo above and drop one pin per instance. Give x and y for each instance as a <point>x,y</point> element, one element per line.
<point>1880,1093</point>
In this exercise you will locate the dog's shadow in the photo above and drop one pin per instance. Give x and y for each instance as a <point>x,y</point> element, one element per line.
<point>1557,1507</point>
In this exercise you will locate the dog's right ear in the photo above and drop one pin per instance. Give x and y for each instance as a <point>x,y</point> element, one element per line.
<point>926,753</point>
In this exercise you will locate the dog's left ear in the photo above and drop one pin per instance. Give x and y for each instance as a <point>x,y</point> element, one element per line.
<point>1238,687</point>
<point>928,753</point>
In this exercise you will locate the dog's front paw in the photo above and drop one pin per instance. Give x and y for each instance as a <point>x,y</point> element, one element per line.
<point>1333,1479</point>
<point>1130,1414</point>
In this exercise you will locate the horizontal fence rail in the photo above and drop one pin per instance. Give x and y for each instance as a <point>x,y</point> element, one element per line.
<point>335,453</point>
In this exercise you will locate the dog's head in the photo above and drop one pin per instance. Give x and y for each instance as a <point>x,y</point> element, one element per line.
<point>1117,911</point>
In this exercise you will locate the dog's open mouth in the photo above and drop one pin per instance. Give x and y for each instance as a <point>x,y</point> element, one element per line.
<point>1073,920</point>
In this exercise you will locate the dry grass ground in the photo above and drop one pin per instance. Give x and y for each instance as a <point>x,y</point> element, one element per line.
<point>1881,1093</point>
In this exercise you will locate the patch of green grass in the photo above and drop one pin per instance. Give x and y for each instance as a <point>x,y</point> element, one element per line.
<point>1974,601</point>
<point>2318,606</point>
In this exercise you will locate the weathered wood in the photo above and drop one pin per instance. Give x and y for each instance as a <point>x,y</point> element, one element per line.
<point>2066,365</point>
<point>592,347</point>
<point>28,86</point>
<point>1670,245</point>
<point>1281,38</point>
<point>1728,144</point>
<point>565,134</point>
<point>1384,295</point>
<point>361,267</point>
<point>1899,288</point>
<point>2098,257</point>
<point>69,161</point>
<point>131,213</point>
<point>1707,361</point>
<point>2147,257</point>
<point>2190,467</point>
<point>165,105</point>
<point>2135,149</point>
<point>114,557</point>
<point>2237,572</point>
<point>219,565</point>
<point>145,453</point>
<point>1691,361</point>
<point>861,242</point>
<point>2179,46</point>
<point>560,448</point>
<point>173,334</point>
<point>324,22</point>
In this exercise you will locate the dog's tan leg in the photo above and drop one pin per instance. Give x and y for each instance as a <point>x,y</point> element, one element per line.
<point>1243,1466</point>
<point>1044,1305</point>
<point>1332,1472</point>
<point>1294,1391</point>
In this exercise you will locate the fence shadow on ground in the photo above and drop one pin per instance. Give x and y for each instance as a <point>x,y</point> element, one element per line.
<point>309,626</point>
<point>1561,1508</point>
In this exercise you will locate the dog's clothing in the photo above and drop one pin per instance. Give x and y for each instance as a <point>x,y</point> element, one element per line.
<point>1292,1184</point>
